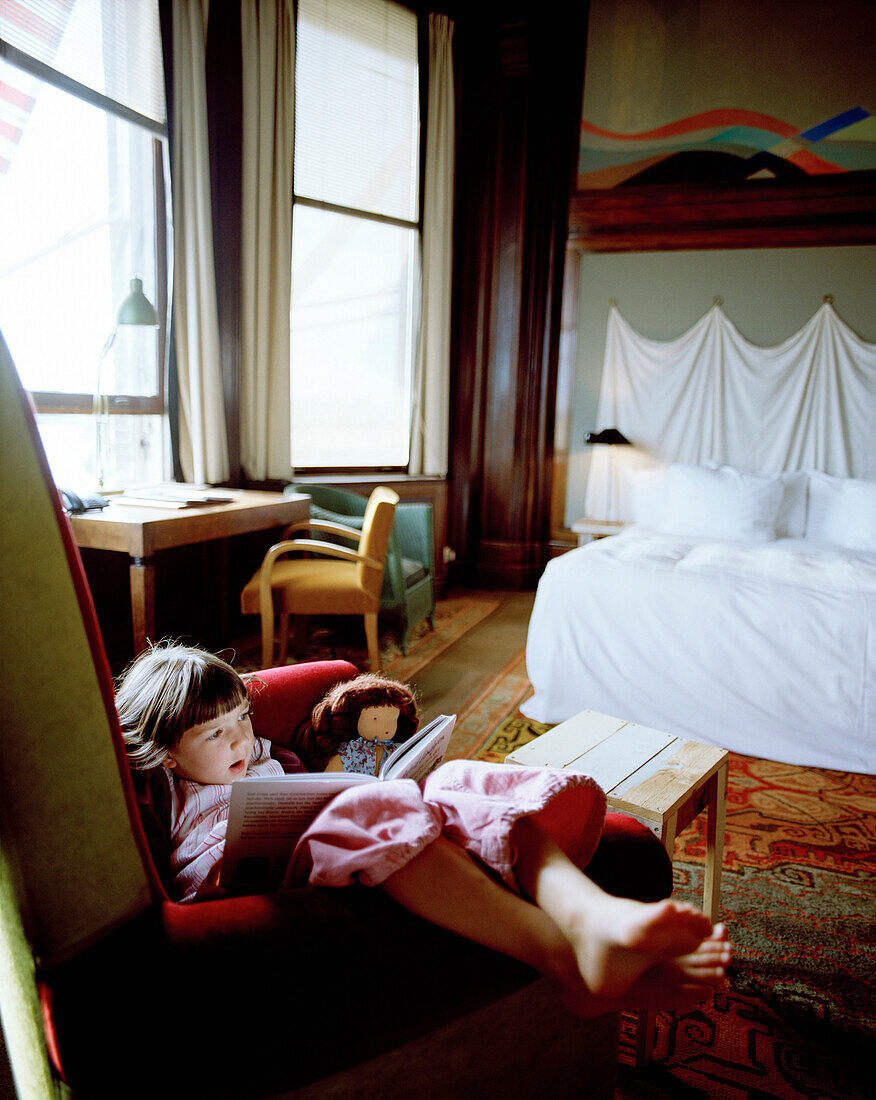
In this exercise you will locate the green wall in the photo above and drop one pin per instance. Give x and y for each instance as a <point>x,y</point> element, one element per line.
<point>768,295</point>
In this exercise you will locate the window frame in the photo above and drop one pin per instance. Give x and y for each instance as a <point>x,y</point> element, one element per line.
<point>55,401</point>
<point>400,223</point>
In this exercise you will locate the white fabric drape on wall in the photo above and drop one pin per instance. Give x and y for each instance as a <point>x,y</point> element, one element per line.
<point>203,437</point>
<point>808,403</point>
<point>268,39</point>
<point>430,421</point>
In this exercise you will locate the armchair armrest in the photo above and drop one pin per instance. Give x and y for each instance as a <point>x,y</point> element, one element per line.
<point>326,527</point>
<point>315,546</point>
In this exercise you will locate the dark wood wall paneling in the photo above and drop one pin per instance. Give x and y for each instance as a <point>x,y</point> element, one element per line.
<point>519,97</point>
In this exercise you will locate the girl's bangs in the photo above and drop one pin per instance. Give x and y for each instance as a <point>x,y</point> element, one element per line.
<point>214,690</point>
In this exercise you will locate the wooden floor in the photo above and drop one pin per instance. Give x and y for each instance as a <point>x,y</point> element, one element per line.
<point>460,673</point>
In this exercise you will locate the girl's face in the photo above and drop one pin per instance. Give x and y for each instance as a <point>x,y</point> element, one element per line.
<point>378,723</point>
<point>217,751</point>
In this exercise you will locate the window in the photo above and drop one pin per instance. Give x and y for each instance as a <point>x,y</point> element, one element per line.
<point>82,211</point>
<point>355,234</point>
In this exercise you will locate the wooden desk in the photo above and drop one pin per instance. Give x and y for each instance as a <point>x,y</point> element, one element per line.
<point>141,532</point>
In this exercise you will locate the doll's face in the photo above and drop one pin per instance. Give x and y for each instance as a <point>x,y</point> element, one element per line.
<point>378,723</point>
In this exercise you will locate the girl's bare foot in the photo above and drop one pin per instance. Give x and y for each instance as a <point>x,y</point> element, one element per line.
<point>710,960</point>
<point>617,940</point>
<point>672,986</point>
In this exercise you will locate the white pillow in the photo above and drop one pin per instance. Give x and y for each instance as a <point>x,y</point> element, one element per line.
<point>842,511</point>
<point>647,495</point>
<point>791,520</point>
<point>721,504</point>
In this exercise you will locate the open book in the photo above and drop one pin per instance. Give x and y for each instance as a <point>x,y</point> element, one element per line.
<point>269,813</point>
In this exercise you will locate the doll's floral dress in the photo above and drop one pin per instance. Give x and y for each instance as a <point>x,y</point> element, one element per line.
<point>360,755</point>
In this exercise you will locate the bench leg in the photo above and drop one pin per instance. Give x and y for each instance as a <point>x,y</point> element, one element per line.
<point>717,807</point>
<point>645,1029</point>
<point>647,1020</point>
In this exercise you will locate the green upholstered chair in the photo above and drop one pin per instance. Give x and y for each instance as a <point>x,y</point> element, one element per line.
<point>409,578</point>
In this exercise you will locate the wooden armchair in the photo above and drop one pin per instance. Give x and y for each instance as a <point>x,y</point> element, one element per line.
<point>333,580</point>
<point>409,578</point>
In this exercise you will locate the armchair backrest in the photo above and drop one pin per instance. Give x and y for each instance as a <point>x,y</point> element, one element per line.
<point>72,862</point>
<point>283,698</point>
<point>376,531</point>
<point>66,812</point>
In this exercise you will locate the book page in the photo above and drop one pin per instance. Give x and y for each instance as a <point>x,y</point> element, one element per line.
<point>422,753</point>
<point>268,815</point>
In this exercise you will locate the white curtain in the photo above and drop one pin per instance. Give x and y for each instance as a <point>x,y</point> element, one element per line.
<point>430,424</point>
<point>808,403</point>
<point>203,438</point>
<point>268,37</point>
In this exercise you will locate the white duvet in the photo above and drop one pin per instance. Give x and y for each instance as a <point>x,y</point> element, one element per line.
<point>768,649</point>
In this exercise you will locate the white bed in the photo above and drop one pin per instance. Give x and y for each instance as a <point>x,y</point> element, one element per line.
<point>763,644</point>
<point>739,608</point>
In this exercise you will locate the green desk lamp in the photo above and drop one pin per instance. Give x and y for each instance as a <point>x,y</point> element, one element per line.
<point>136,309</point>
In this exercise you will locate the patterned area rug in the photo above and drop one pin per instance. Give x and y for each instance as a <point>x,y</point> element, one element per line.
<point>799,894</point>
<point>339,637</point>
<point>483,729</point>
<point>799,898</point>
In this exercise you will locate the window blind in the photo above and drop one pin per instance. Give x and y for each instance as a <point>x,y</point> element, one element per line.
<point>357,106</point>
<point>107,48</point>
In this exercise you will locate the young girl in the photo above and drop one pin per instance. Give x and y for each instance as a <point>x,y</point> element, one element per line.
<point>185,716</point>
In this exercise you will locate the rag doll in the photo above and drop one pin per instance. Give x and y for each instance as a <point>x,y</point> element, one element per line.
<point>358,722</point>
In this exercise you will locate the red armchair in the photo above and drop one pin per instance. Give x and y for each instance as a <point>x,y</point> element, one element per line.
<point>107,983</point>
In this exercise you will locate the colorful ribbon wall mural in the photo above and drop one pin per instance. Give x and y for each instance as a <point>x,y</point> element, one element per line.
<point>727,145</point>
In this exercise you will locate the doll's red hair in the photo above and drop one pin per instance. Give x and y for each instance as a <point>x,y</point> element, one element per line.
<point>336,717</point>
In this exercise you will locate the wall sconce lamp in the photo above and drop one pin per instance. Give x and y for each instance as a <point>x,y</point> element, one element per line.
<point>610,436</point>
<point>136,309</point>
<point>606,478</point>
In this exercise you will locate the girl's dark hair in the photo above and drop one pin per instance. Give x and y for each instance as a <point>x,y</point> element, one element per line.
<point>335,717</point>
<point>168,689</point>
